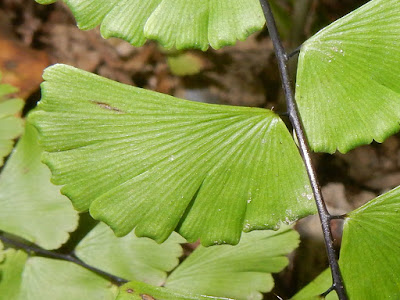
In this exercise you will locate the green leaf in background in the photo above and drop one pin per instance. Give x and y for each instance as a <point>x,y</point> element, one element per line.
<point>45,278</point>
<point>371,233</point>
<point>130,257</point>
<point>348,89</point>
<point>142,159</point>
<point>38,278</point>
<point>141,291</point>
<point>32,207</point>
<point>173,23</point>
<point>11,269</point>
<point>240,272</point>
<point>315,288</point>
<point>10,125</point>
<point>184,64</point>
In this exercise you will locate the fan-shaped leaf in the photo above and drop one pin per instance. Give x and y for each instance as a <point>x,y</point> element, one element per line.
<point>138,291</point>
<point>179,23</point>
<point>240,272</point>
<point>130,257</point>
<point>10,126</point>
<point>348,78</point>
<point>142,159</point>
<point>11,269</point>
<point>371,233</point>
<point>369,258</point>
<point>31,206</point>
<point>45,278</point>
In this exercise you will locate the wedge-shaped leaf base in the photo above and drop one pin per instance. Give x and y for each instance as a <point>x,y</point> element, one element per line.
<point>241,272</point>
<point>31,206</point>
<point>174,23</point>
<point>348,80</point>
<point>130,257</point>
<point>142,159</point>
<point>369,258</point>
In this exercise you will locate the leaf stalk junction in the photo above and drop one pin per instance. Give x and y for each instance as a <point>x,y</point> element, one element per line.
<point>295,120</point>
<point>67,257</point>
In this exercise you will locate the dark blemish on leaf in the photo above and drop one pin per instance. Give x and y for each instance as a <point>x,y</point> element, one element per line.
<point>129,291</point>
<point>107,106</point>
<point>147,297</point>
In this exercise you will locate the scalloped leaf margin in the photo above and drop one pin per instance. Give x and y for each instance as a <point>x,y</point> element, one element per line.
<point>31,206</point>
<point>348,90</point>
<point>11,126</point>
<point>173,23</point>
<point>241,272</point>
<point>130,257</point>
<point>144,160</point>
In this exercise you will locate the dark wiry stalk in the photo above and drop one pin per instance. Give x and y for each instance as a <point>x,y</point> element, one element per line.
<point>295,120</point>
<point>51,254</point>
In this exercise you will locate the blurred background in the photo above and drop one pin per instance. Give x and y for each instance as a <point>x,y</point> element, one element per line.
<point>34,36</point>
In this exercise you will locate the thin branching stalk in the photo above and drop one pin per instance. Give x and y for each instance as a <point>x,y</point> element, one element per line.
<point>38,251</point>
<point>295,120</point>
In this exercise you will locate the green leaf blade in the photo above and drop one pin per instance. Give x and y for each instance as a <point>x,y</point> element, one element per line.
<point>31,207</point>
<point>90,13</point>
<point>224,27</point>
<point>10,125</point>
<point>240,272</point>
<point>11,269</point>
<point>181,23</point>
<point>127,20</point>
<point>45,278</point>
<point>369,254</point>
<point>372,232</point>
<point>140,159</point>
<point>46,2</point>
<point>347,81</point>
<point>130,257</point>
<point>38,278</point>
<point>138,291</point>
<point>317,287</point>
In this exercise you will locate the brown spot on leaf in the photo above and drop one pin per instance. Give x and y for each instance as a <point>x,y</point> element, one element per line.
<point>107,106</point>
<point>147,297</point>
<point>129,291</point>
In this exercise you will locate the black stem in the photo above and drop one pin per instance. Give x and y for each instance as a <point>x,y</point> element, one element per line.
<point>324,294</point>
<point>339,217</point>
<point>51,254</point>
<point>295,120</point>
<point>294,52</point>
